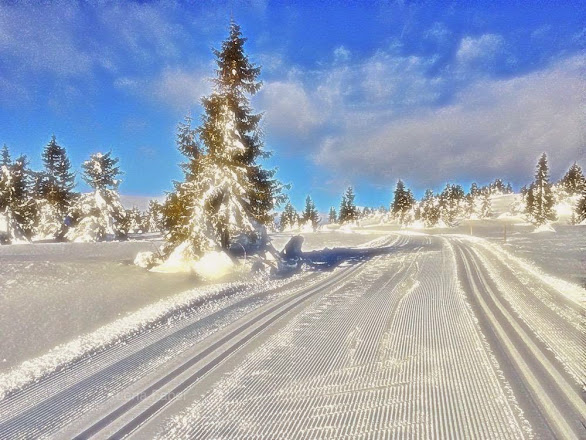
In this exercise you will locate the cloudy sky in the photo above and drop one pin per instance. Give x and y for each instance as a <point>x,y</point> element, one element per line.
<point>355,92</point>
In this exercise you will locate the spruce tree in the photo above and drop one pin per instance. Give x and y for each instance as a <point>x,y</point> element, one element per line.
<point>573,182</point>
<point>100,215</point>
<point>289,217</point>
<point>230,193</point>
<point>348,210</point>
<point>541,210</point>
<point>57,180</point>
<point>402,203</point>
<point>451,200</point>
<point>430,209</point>
<point>310,214</point>
<point>153,218</point>
<point>333,217</point>
<point>16,202</point>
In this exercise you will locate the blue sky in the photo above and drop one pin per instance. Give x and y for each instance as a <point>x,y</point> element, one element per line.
<point>355,92</point>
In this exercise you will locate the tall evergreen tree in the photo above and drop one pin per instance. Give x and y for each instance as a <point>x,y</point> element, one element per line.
<point>16,202</point>
<point>540,210</point>
<point>57,181</point>
<point>333,217</point>
<point>310,214</point>
<point>231,193</point>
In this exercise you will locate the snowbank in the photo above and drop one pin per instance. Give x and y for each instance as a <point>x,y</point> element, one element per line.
<point>544,228</point>
<point>211,266</point>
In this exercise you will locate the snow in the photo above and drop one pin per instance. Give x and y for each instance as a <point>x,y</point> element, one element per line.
<point>51,293</point>
<point>213,265</point>
<point>546,227</point>
<point>144,259</point>
<point>371,358</point>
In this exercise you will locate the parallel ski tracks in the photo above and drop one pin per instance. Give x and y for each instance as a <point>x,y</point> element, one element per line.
<point>59,402</point>
<point>397,354</point>
<point>560,401</point>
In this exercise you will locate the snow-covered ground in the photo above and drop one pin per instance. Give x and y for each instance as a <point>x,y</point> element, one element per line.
<point>53,292</point>
<point>409,343</point>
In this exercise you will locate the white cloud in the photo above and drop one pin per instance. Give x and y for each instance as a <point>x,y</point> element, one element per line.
<point>485,53</point>
<point>176,88</point>
<point>494,127</point>
<point>290,111</point>
<point>341,54</point>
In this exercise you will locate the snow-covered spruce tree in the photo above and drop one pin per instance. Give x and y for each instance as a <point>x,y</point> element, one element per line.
<point>333,216</point>
<point>99,215</point>
<point>348,210</point>
<point>310,216</point>
<point>289,218</point>
<point>17,208</point>
<point>430,211</point>
<point>485,207</point>
<point>54,190</point>
<point>540,202</point>
<point>153,221</point>
<point>451,204</point>
<point>230,193</point>
<point>573,183</point>
<point>134,221</point>
<point>402,204</point>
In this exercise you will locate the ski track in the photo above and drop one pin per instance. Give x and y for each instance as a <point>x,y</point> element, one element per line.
<point>559,323</point>
<point>395,352</point>
<point>41,409</point>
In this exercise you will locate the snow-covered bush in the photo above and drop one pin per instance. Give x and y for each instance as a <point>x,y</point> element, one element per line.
<point>99,215</point>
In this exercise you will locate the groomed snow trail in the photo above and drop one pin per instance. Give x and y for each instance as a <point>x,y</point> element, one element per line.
<point>395,352</point>
<point>410,337</point>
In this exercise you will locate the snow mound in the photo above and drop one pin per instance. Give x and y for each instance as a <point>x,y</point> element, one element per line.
<point>544,228</point>
<point>211,266</point>
<point>214,265</point>
<point>144,259</point>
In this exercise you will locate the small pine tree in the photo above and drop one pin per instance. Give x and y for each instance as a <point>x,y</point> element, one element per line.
<point>573,182</point>
<point>289,217</point>
<point>99,215</point>
<point>402,203</point>
<point>310,214</point>
<point>153,221</point>
<point>451,201</point>
<point>430,209</point>
<point>348,210</point>
<point>332,217</point>
<point>474,190</point>
<point>539,207</point>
